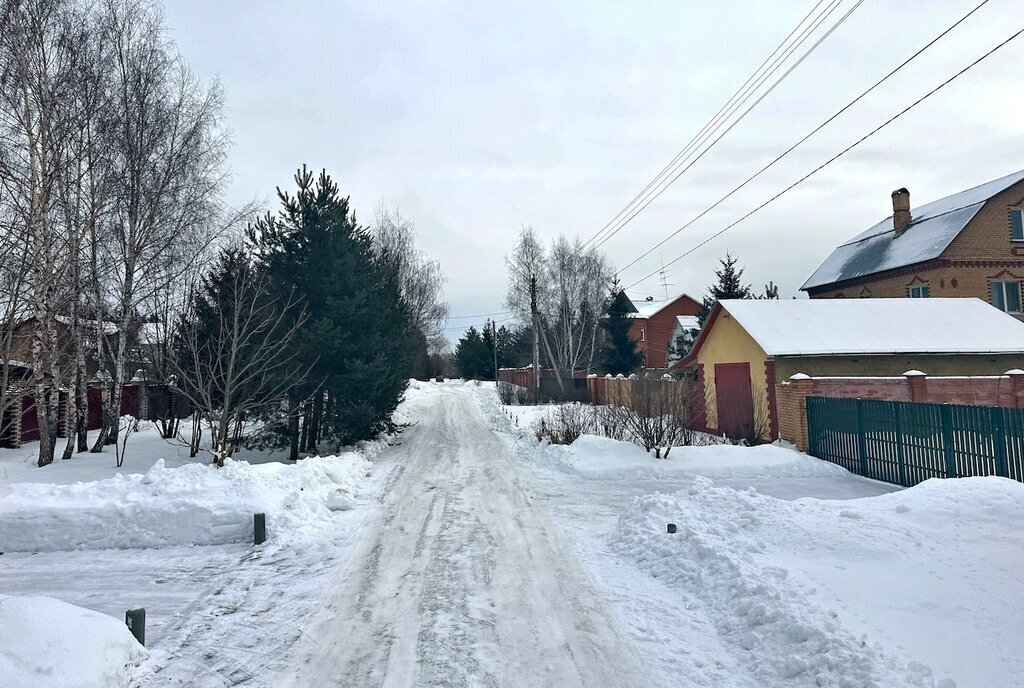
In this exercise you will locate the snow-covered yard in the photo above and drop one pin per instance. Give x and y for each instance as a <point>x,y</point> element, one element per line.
<point>468,553</point>
<point>173,535</point>
<point>786,570</point>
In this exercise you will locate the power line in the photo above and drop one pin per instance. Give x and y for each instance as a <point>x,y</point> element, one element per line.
<point>737,121</point>
<point>707,124</point>
<point>478,315</point>
<point>837,155</point>
<point>821,126</point>
<point>663,180</point>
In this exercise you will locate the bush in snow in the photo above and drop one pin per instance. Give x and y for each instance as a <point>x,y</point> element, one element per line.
<point>564,423</point>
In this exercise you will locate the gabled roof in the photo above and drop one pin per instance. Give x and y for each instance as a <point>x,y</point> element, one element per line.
<point>816,327</point>
<point>647,307</point>
<point>932,228</point>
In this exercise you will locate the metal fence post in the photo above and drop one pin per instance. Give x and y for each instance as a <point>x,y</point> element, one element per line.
<point>862,439</point>
<point>946,414</point>
<point>135,620</point>
<point>901,462</point>
<point>259,528</point>
<point>999,441</point>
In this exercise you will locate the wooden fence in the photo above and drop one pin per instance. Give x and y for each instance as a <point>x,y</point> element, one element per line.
<point>906,443</point>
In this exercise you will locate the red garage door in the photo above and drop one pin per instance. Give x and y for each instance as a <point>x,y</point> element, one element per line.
<point>734,399</point>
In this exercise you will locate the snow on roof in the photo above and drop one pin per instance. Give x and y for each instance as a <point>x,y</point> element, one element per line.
<point>688,322</point>
<point>809,327</point>
<point>647,307</point>
<point>932,228</point>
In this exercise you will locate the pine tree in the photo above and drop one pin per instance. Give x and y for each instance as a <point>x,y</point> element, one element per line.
<point>619,355</point>
<point>473,355</point>
<point>357,340</point>
<point>729,285</point>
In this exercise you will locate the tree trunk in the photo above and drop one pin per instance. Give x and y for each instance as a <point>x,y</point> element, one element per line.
<point>293,427</point>
<point>304,432</point>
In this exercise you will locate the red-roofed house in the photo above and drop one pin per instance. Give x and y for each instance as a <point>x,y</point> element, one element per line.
<point>655,325</point>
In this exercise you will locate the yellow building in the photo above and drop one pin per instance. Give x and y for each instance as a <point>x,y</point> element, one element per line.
<point>747,347</point>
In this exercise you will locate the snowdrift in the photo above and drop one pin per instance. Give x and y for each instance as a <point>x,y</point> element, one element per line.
<point>600,458</point>
<point>51,644</point>
<point>191,505</point>
<point>816,592</point>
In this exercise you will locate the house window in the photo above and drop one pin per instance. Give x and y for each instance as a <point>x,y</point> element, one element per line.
<point>1017,225</point>
<point>919,292</point>
<point>643,335</point>
<point>1006,296</point>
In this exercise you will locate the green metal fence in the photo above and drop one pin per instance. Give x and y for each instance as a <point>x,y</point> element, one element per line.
<point>905,443</point>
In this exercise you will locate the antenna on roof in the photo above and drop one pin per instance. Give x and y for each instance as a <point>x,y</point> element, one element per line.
<point>663,277</point>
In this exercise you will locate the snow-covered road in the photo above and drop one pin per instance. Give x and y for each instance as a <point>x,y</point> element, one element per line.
<point>461,579</point>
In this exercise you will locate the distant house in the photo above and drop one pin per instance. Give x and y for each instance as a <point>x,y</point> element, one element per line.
<point>655,325</point>
<point>748,346</point>
<point>964,245</point>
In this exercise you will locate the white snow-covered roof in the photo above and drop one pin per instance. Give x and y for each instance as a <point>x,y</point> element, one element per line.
<point>687,322</point>
<point>810,327</point>
<point>932,228</point>
<point>647,307</point>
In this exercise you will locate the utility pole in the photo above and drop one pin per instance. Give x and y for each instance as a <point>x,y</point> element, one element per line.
<point>494,339</point>
<point>536,337</point>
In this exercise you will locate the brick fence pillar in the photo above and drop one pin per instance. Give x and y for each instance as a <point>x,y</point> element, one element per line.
<point>918,382</point>
<point>792,400</point>
<point>1017,386</point>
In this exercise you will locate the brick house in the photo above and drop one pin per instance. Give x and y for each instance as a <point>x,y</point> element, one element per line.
<point>967,244</point>
<point>748,347</point>
<point>655,324</point>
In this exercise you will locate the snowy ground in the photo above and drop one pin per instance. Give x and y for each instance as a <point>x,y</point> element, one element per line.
<point>468,554</point>
<point>790,571</point>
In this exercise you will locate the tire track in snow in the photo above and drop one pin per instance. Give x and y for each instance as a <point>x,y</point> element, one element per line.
<point>462,581</point>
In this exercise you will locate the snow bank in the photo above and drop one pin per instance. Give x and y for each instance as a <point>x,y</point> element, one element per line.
<point>601,458</point>
<point>48,643</point>
<point>192,504</point>
<point>821,593</point>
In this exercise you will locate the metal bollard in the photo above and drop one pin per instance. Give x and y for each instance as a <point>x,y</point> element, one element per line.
<point>135,620</point>
<point>259,528</point>
<point>671,527</point>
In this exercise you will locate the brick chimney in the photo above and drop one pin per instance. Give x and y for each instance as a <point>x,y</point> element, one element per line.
<point>900,209</point>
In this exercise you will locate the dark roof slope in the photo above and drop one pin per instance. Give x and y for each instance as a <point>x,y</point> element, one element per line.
<point>931,230</point>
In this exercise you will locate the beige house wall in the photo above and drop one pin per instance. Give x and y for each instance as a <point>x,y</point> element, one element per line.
<point>983,252</point>
<point>728,342</point>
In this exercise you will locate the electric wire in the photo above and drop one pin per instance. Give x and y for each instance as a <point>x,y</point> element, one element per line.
<point>821,126</point>
<point>836,156</point>
<point>672,171</point>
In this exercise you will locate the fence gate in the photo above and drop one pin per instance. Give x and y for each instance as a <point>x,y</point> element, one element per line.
<point>905,443</point>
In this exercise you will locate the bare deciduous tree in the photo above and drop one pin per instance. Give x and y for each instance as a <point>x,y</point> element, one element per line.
<point>421,278</point>
<point>233,353</point>
<point>166,169</point>
<point>572,281</point>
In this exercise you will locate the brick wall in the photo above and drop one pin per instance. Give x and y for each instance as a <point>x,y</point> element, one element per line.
<point>995,390</point>
<point>983,252</point>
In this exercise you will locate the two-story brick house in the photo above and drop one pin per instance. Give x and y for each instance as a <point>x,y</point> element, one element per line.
<point>967,244</point>
<point>655,324</point>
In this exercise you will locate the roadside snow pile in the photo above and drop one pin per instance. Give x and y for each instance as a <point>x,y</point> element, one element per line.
<point>600,458</point>
<point>48,643</point>
<point>849,593</point>
<point>190,505</point>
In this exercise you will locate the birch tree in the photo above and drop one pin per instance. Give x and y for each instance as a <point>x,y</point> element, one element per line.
<point>571,282</point>
<point>42,47</point>
<point>166,170</point>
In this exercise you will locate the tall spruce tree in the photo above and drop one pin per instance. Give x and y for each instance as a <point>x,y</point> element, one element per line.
<point>619,355</point>
<point>473,355</point>
<point>729,285</point>
<point>356,339</point>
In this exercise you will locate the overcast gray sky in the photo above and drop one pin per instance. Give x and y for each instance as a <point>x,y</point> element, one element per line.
<point>477,118</point>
